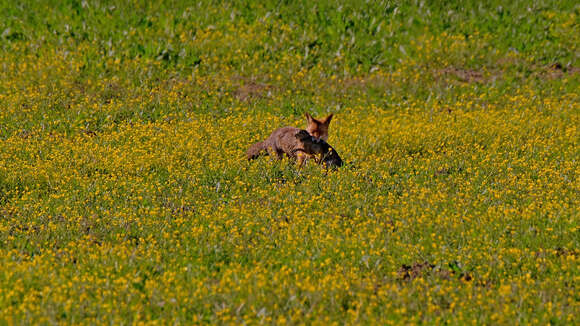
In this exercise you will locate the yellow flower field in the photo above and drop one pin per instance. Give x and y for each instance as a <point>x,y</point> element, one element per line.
<point>126,197</point>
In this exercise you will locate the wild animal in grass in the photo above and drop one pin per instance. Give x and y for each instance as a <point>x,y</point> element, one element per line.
<point>284,137</point>
<point>297,144</point>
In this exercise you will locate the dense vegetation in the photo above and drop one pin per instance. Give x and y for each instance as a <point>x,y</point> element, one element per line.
<point>125,196</point>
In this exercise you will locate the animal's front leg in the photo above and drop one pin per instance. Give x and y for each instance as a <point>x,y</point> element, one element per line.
<point>301,159</point>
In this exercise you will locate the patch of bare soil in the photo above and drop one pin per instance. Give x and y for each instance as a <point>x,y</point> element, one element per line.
<point>252,90</point>
<point>557,70</point>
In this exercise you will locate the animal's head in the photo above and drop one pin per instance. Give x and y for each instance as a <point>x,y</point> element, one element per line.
<point>311,144</point>
<point>318,127</point>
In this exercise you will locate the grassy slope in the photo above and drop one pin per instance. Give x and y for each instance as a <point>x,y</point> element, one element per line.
<point>125,197</point>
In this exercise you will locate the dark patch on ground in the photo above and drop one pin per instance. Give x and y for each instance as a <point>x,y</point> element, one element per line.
<point>88,132</point>
<point>557,70</point>
<point>463,75</point>
<point>567,252</point>
<point>252,90</point>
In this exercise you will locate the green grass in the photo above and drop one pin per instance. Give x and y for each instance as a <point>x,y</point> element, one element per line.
<point>125,196</point>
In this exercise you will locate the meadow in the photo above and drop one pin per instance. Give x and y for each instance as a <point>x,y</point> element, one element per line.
<point>126,198</point>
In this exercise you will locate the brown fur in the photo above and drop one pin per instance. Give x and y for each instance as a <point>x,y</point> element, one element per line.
<point>289,141</point>
<point>297,144</point>
<point>284,140</point>
<point>318,127</point>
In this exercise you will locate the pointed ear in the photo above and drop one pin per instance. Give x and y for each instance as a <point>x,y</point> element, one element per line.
<point>309,118</point>
<point>328,119</point>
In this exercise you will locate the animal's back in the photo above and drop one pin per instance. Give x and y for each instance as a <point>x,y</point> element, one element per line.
<point>282,140</point>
